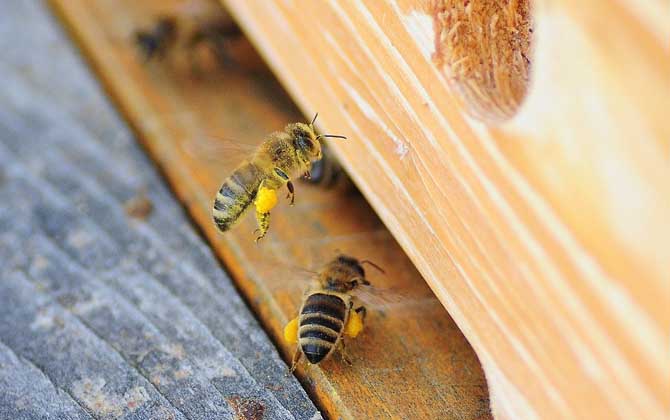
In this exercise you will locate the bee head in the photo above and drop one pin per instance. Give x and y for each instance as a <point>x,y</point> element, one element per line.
<point>306,142</point>
<point>344,274</point>
<point>356,271</point>
<point>351,263</point>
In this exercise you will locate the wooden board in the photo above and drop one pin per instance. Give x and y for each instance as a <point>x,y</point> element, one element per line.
<point>536,207</point>
<point>108,311</point>
<point>411,361</point>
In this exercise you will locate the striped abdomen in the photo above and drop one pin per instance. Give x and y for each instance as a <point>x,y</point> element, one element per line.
<point>322,321</point>
<point>235,195</point>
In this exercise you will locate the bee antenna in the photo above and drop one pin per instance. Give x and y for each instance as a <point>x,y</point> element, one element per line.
<point>314,119</point>
<point>374,265</point>
<point>331,136</point>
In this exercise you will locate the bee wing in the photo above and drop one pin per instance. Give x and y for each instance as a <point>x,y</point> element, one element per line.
<point>389,299</point>
<point>288,281</point>
<point>284,278</point>
<point>219,151</point>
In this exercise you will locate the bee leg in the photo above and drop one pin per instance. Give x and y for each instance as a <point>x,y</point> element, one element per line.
<point>296,359</point>
<point>291,191</point>
<point>263,220</point>
<point>343,353</point>
<point>362,312</point>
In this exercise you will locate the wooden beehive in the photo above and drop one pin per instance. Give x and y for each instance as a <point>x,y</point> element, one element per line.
<point>411,361</point>
<point>519,152</point>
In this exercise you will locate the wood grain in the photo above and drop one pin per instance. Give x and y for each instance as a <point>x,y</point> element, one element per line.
<point>411,361</point>
<point>105,314</point>
<point>546,234</point>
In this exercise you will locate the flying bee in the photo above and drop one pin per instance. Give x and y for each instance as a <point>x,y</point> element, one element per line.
<point>158,40</point>
<point>327,313</point>
<point>282,155</point>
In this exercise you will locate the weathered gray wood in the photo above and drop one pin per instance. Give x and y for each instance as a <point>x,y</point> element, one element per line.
<point>22,383</point>
<point>104,315</point>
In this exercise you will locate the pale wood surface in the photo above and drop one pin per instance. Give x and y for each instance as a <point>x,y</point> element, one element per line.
<point>411,361</point>
<point>546,235</point>
<point>104,315</point>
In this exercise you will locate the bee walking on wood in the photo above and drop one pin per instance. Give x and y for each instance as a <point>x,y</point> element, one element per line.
<point>282,155</point>
<point>158,40</point>
<point>328,312</point>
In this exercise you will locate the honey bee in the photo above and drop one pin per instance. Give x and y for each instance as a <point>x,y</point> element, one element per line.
<point>158,40</point>
<point>327,313</point>
<point>282,155</point>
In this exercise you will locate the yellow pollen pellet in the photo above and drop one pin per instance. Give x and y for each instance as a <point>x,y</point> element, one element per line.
<point>291,331</point>
<point>266,199</point>
<point>354,324</point>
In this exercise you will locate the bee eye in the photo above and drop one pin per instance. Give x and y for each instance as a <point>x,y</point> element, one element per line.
<point>304,143</point>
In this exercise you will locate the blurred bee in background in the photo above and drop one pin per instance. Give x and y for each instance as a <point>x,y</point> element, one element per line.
<point>194,28</point>
<point>328,173</point>
<point>157,40</point>
<point>281,156</point>
<point>329,311</point>
<point>217,36</point>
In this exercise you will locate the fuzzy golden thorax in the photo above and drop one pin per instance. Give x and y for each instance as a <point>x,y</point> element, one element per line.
<point>291,151</point>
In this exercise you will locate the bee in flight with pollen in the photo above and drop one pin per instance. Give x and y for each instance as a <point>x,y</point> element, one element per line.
<point>329,312</point>
<point>282,156</point>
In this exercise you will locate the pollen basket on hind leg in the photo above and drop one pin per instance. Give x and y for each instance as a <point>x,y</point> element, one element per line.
<point>266,200</point>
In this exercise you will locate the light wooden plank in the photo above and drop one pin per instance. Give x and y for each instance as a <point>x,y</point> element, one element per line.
<point>541,224</point>
<point>411,361</point>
